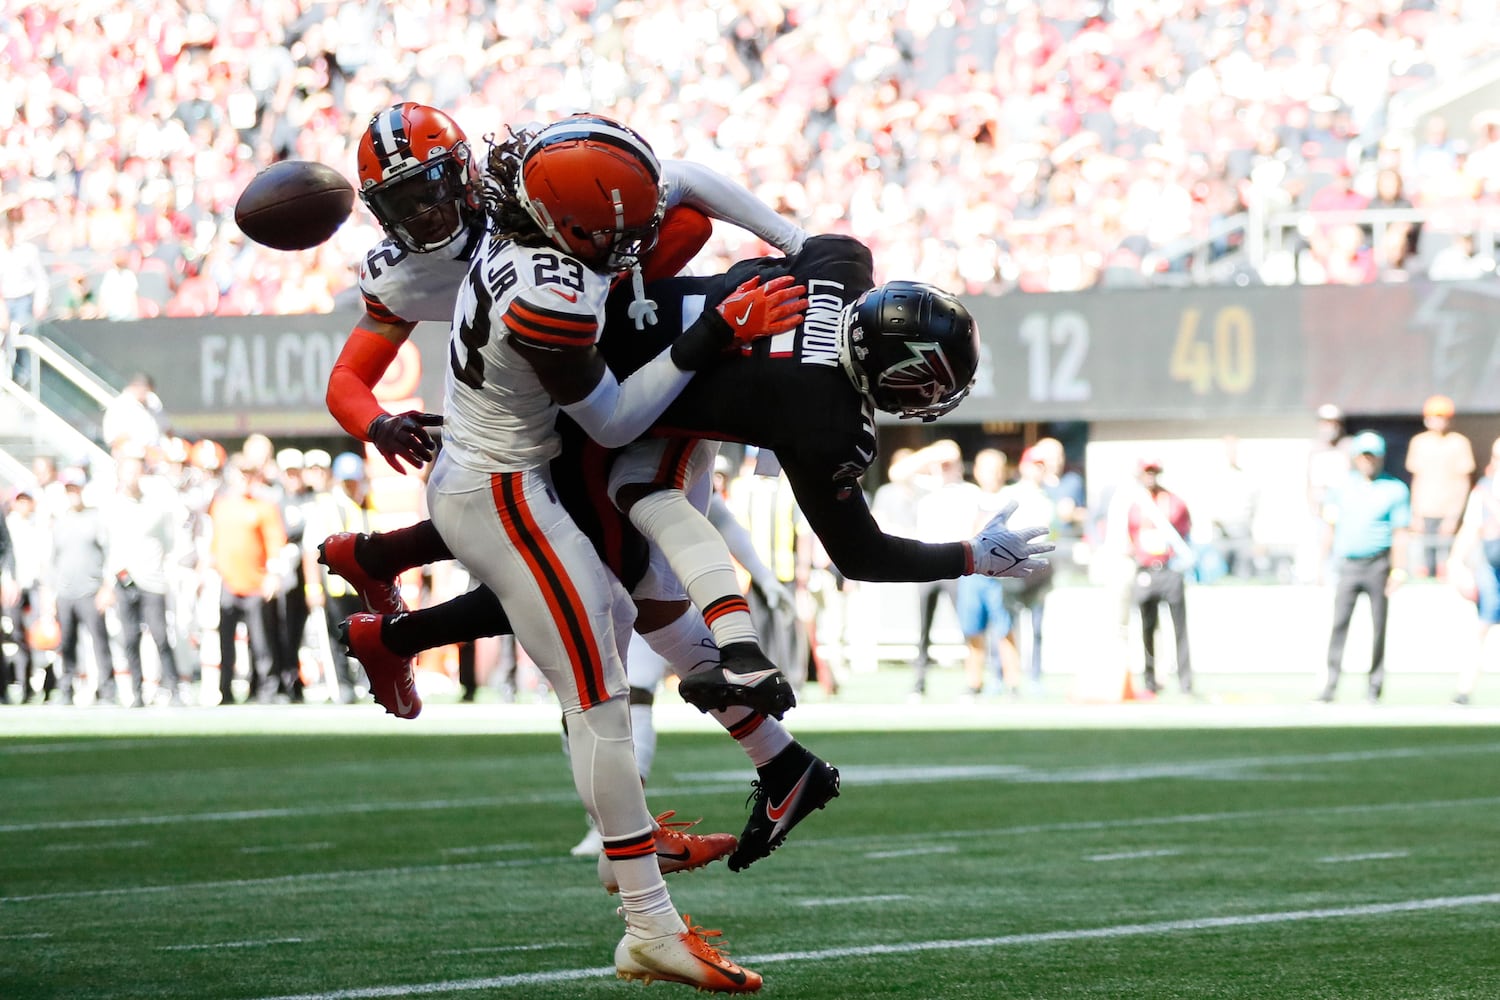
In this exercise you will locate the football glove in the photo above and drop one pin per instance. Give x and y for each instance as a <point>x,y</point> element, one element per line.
<point>400,436</point>
<point>751,311</point>
<point>999,551</point>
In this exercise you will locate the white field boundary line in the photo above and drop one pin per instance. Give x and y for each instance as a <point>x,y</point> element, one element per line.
<point>1069,827</point>
<point>717,782</point>
<point>1189,926</point>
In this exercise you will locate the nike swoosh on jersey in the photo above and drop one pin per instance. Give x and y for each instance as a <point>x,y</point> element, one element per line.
<point>779,810</point>
<point>565,296</point>
<point>743,317</point>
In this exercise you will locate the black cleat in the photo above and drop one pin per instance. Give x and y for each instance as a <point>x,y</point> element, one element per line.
<point>790,787</point>
<point>743,677</point>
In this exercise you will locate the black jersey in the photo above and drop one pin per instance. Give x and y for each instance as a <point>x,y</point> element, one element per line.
<point>788,393</point>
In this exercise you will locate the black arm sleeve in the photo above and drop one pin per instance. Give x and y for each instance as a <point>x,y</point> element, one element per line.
<point>840,516</point>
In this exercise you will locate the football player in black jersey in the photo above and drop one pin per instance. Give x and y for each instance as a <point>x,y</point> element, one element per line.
<point>809,396</point>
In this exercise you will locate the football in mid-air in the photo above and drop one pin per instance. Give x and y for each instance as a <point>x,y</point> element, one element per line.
<point>294,205</point>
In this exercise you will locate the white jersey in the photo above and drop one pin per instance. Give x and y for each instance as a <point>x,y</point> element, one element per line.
<point>497,416</point>
<point>399,286</point>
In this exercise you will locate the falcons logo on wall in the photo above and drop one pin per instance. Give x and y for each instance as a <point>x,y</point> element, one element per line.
<point>926,372</point>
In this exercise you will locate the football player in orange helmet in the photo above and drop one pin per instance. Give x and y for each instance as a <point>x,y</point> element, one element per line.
<point>418,177</point>
<point>594,187</point>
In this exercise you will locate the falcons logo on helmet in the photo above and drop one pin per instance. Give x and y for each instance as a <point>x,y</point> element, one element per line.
<point>926,373</point>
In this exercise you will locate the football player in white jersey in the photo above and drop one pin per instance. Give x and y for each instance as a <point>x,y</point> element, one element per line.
<point>419,178</point>
<point>583,203</point>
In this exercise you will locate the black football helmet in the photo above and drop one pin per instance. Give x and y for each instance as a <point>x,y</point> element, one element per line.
<point>911,348</point>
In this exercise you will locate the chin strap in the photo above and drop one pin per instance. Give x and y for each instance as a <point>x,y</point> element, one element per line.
<point>642,309</point>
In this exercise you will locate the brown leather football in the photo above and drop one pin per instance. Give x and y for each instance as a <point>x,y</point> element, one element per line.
<point>294,205</point>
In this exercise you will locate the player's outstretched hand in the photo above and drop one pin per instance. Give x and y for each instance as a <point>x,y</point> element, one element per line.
<point>403,436</point>
<point>756,310</point>
<point>999,551</point>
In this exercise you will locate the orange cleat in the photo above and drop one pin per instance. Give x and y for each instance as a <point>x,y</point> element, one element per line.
<point>337,552</point>
<point>676,849</point>
<point>684,957</point>
<point>390,676</point>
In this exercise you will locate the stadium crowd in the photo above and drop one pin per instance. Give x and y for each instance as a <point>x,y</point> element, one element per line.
<point>983,146</point>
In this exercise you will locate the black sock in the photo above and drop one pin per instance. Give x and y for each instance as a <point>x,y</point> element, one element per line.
<point>388,553</point>
<point>465,618</point>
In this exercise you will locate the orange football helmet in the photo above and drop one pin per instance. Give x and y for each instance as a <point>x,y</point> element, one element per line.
<point>594,187</point>
<point>418,178</point>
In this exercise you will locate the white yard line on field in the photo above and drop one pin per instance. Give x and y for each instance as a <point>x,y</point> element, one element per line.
<point>915,947</point>
<point>214,946</point>
<point>855,900</point>
<point>1336,859</point>
<point>317,845</point>
<point>913,851</point>
<point>1130,855</point>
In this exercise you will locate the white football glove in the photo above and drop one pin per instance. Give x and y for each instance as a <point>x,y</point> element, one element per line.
<point>998,551</point>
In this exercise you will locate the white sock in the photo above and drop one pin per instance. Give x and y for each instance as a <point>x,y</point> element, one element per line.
<point>687,647</point>
<point>700,558</point>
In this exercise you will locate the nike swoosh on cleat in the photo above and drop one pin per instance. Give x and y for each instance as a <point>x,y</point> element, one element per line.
<point>743,317</point>
<point>779,810</point>
<point>686,855</point>
<point>751,679</point>
<point>402,706</point>
<point>736,976</point>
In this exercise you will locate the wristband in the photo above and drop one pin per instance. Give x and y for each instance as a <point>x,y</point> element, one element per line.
<point>702,343</point>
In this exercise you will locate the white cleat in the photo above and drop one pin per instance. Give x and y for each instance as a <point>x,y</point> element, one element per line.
<point>682,957</point>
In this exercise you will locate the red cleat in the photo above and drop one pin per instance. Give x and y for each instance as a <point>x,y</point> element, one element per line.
<point>685,957</point>
<point>390,676</point>
<point>382,597</point>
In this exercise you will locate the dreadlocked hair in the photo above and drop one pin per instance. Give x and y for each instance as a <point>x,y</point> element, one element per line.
<point>500,182</point>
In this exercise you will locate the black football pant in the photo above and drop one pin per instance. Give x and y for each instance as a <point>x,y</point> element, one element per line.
<point>137,608</point>
<point>1152,588</point>
<point>1355,577</point>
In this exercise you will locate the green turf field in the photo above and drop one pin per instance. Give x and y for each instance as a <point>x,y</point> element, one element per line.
<point>1318,862</point>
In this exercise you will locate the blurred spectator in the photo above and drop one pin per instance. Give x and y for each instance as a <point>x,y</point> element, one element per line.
<point>134,421</point>
<point>1036,504</point>
<point>1327,467</point>
<point>983,615</point>
<point>1474,567</point>
<point>1460,261</point>
<point>1441,462</point>
<point>1232,500</point>
<point>849,116</point>
<point>74,581</point>
<point>119,294</point>
<point>23,286</point>
<point>945,513</point>
<point>143,529</point>
<point>1158,524</point>
<point>1369,512</point>
<point>338,505</point>
<point>247,535</point>
<point>31,547</point>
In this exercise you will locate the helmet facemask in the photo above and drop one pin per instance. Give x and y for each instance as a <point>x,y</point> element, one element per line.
<point>424,207</point>
<point>911,349</point>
